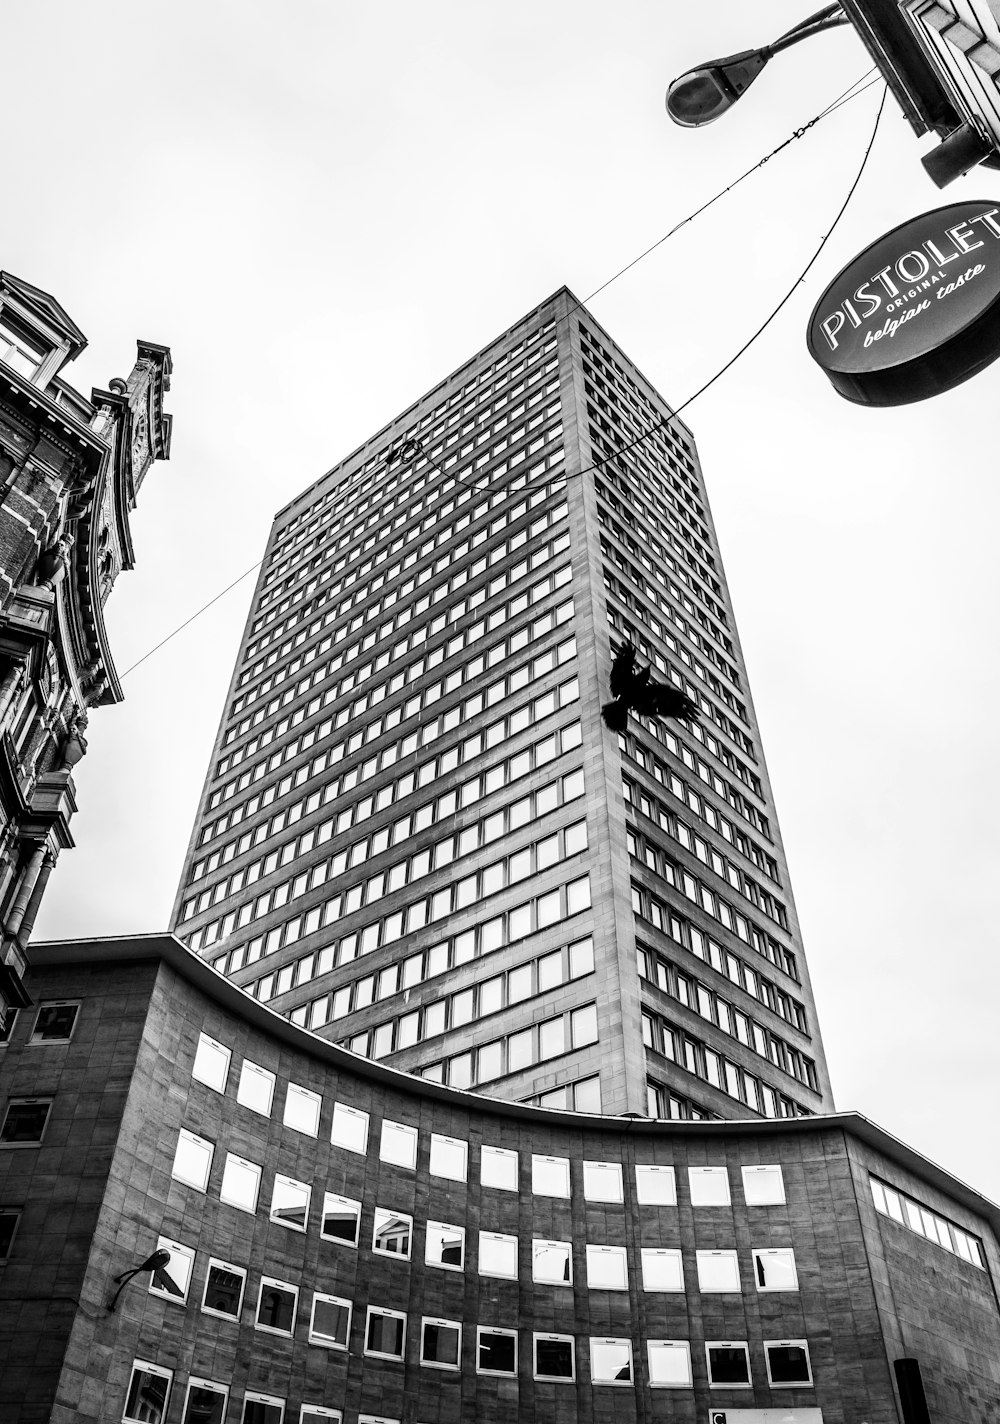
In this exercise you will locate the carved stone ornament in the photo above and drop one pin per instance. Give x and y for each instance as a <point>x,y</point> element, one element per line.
<point>140,439</point>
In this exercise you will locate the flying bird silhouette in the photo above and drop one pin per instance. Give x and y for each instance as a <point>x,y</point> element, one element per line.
<point>634,690</point>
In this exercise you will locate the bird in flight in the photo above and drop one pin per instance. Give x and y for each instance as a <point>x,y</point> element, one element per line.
<point>634,690</point>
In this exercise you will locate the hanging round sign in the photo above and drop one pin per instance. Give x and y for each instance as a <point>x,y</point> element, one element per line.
<point>916,313</point>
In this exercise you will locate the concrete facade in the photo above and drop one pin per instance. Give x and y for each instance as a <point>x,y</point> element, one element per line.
<point>546,1230</point>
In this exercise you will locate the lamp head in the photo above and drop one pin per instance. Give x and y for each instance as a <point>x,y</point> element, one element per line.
<point>703,94</point>
<point>156,1262</point>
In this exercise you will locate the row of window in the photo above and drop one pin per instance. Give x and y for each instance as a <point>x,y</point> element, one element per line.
<point>653,855</point>
<point>903,1209</point>
<point>504,553</point>
<point>515,986</point>
<point>54,1023</point>
<point>696,1057</point>
<point>631,747</point>
<point>665,818</point>
<point>531,632</point>
<point>658,970</point>
<point>611,1362</point>
<point>431,728</point>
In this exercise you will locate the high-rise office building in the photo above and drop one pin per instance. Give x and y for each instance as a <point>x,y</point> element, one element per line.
<point>418,838</point>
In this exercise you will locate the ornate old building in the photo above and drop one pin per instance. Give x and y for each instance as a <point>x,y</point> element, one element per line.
<point>70,471</point>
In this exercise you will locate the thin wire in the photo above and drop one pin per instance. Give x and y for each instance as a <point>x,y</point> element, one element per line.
<point>844,98</point>
<point>204,608</point>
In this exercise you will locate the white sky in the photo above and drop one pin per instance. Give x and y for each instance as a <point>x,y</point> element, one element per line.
<point>324,208</point>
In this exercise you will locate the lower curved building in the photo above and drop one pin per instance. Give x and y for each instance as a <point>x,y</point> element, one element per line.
<point>349,1243</point>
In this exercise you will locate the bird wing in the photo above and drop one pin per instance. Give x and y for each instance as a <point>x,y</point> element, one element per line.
<point>662,699</point>
<point>623,671</point>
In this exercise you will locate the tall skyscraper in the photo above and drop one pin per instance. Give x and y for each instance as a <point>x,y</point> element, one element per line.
<point>418,838</point>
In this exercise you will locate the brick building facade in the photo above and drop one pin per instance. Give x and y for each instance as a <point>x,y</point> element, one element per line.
<point>350,1243</point>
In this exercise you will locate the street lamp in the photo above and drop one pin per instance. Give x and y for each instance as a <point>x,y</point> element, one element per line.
<point>154,1263</point>
<point>700,95</point>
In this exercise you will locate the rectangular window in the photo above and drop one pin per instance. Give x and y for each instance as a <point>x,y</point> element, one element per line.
<point>441,1343</point>
<point>656,1186</point>
<point>787,1363</point>
<point>25,1122</point>
<point>445,1246</point>
<point>709,1186</point>
<point>54,1022</point>
<point>330,1322</point>
<point>385,1333</point>
<point>302,1109</point>
<point>498,1255</point>
<point>602,1182</point>
<point>399,1144</point>
<point>205,1402</point>
<point>554,1357</point>
<point>350,1128</point>
<point>256,1089</point>
<point>172,1280</point>
<point>763,1186</point>
<point>224,1286</point>
<point>610,1361</point>
<point>552,1263</point>
<point>240,1183</point>
<point>9,1217</point>
<point>392,1233</point>
<point>718,1270</point>
<point>276,1304</point>
<point>669,1364</point>
<point>728,1363</point>
<point>317,1414</point>
<point>148,1393</point>
<point>341,1219</point>
<point>290,1203</point>
<point>496,1351</point>
<point>774,1270</point>
<point>662,1269</point>
<point>262,1409</point>
<point>192,1160</point>
<point>449,1158</point>
<point>550,1176</point>
<point>607,1268</point>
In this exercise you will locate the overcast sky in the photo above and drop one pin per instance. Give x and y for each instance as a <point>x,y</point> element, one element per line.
<point>324,208</point>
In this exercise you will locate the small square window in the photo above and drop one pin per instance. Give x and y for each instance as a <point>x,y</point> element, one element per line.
<point>554,1357</point>
<point>262,1409</point>
<point>276,1302</point>
<point>787,1363</point>
<point>205,1402</point>
<point>399,1144</point>
<point>317,1414</point>
<point>763,1186</point>
<point>775,1270</point>
<point>552,1263</point>
<point>550,1176</point>
<point>392,1233</point>
<point>607,1268</point>
<point>441,1343</point>
<point>669,1364</point>
<point>256,1089</point>
<point>385,1333</point>
<point>341,1219</point>
<point>9,1217</point>
<point>602,1182</point>
<point>496,1351</point>
<point>498,1255</point>
<point>709,1186</point>
<point>330,1323</point>
<point>211,1063</point>
<point>148,1393</point>
<point>718,1270</point>
<point>662,1269</point>
<point>302,1109</point>
<point>449,1158</point>
<point>54,1023</point>
<point>728,1363</point>
<point>224,1286</point>
<point>610,1361</point>
<point>172,1280</point>
<point>290,1203</point>
<point>25,1121</point>
<point>445,1246</point>
<point>240,1183</point>
<point>656,1186</point>
<point>350,1128</point>
<point>192,1160</point>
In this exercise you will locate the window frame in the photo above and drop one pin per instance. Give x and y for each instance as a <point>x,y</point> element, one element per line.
<point>758,1253</point>
<point>539,1163</point>
<point>391,1216</point>
<point>241,1164</point>
<point>707,1174</point>
<point>648,1172</point>
<point>341,1240</point>
<point>329,1342</point>
<point>731,1257</point>
<point>596,1253</point>
<point>185,1133</point>
<point>507,1334</point>
<point>399,1131</point>
<point>147,1367</point>
<point>235,1270</point>
<point>684,1345</point>
<point>539,1244</point>
<point>444,1226</point>
<point>441,1144</point>
<point>743,1345</point>
<point>34,1042</point>
<point>176,1248</point>
<point>455,1325</point>
<point>671,1253</point>
<point>254,1396</point>
<point>750,1172</point>
<point>280,1221</point>
<point>385,1313</point>
<point>788,1384</point>
<point>543,1337</point>
<point>344,1110</point>
<point>597,1340</point>
<point>248,1071</point>
<point>196,1382</point>
<point>286,1288</point>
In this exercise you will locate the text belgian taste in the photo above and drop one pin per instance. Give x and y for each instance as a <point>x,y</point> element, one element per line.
<point>911,274</point>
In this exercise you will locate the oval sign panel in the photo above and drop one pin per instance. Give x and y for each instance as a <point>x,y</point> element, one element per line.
<point>916,313</point>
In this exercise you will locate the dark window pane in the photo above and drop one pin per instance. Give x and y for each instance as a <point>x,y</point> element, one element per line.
<point>789,1364</point>
<point>728,1364</point>
<point>330,1319</point>
<point>223,1290</point>
<point>441,1344</point>
<point>25,1122</point>
<point>341,1223</point>
<point>147,1397</point>
<point>276,1308</point>
<point>554,1358</point>
<point>205,1406</point>
<point>497,1352</point>
<point>385,1334</point>
<point>8,1225</point>
<point>54,1022</point>
<point>7,1021</point>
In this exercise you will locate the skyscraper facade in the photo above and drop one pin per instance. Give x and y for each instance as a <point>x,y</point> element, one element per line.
<point>417,837</point>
